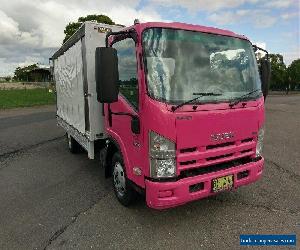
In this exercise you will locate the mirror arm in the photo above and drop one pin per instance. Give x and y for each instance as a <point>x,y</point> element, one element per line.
<point>127,33</point>
<point>110,113</point>
<point>123,113</point>
<point>255,47</point>
<point>106,38</point>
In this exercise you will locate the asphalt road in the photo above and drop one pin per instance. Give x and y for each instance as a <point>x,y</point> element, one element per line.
<point>51,199</point>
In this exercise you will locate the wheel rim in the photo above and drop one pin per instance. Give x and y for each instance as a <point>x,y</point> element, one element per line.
<point>119,179</point>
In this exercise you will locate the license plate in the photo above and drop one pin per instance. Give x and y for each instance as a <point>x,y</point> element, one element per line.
<point>222,183</point>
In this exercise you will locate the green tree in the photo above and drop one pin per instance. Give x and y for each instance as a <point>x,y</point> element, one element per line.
<point>293,74</point>
<point>73,26</point>
<point>219,60</point>
<point>7,78</point>
<point>278,72</point>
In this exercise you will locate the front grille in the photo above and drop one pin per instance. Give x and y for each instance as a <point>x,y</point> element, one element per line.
<point>247,140</point>
<point>188,150</point>
<point>214,168</point>
<point>246,151</point>
<point>188,162</point>
<point>218,157</point>
<point>202,156</point>
<point>226,144</point>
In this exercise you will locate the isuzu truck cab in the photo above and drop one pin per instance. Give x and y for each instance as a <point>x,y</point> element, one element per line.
<point>181,108</point>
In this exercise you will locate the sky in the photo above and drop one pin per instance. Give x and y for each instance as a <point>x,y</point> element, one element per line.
<point>32,30</point>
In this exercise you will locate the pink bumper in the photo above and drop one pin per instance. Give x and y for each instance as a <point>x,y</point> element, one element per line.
<point>162,195</point>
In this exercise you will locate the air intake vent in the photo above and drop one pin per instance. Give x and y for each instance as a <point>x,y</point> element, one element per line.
<point>225,144</point>
<point>215,168</point>
<point>188,150</point>
<point>247,140</point>
<point>218,157</point>
<point>246,151</point>
<point>187,162</point>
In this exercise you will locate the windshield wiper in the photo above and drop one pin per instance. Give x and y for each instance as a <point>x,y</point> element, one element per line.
<point>239,99</point>
<point>194,99</point>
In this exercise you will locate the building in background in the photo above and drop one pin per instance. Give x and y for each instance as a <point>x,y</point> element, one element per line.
<point>40,74</point>
<point>33,73</point>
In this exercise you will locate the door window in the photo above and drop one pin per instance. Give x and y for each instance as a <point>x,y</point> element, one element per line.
<point>127,65</point>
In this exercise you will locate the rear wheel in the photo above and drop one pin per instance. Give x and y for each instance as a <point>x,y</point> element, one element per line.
<point>73,145</point>
<point>122,188</point>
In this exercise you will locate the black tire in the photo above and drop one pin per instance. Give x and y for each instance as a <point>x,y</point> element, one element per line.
<point>123,190</point>
<point>73,145</point>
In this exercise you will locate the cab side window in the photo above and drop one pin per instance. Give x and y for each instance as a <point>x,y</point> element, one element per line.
<point>127,65</point>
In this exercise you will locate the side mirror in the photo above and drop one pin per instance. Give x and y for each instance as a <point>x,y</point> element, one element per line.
<point>265,75</point>
<point>135,124</point>
<point>107,74</point>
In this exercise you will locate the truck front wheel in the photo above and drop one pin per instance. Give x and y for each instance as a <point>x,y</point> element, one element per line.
<point>122,188</point>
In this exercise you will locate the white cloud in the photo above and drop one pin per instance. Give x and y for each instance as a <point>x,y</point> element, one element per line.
<point>259,18</point>
<point>289,15</point>
<point>122,15</point>
<point>10,32</point>
<point>203,5</point>
<point>6,69</point>
<point>31,30</point>
<point>262,45</point>
<point>280,3</point>
<point>263,21</point>
<point>49,18</point>
<point>290,56</point>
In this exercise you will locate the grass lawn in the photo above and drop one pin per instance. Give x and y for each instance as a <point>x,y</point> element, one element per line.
<point>25,98</point>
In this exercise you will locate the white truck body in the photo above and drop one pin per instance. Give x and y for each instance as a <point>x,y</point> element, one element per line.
<point>78,110</point>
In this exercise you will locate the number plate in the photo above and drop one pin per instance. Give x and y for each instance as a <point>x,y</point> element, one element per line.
<point>222,183</point>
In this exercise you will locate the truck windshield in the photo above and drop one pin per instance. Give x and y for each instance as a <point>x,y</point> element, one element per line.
<point>180,63</point>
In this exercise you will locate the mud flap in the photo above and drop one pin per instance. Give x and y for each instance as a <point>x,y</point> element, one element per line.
<point>103,158</point>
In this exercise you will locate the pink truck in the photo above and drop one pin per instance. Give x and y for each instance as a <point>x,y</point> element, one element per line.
<point>175,111</point>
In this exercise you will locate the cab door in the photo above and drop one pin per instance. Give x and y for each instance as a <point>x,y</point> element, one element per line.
<point>126,108</point>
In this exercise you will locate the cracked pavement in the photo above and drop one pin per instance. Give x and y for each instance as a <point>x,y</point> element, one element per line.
<point>51,199</point>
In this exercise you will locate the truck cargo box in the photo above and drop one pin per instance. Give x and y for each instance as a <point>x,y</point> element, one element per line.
<point>78,110</point>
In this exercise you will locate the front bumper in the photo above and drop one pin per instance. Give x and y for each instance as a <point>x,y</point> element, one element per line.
<point>162,195</point>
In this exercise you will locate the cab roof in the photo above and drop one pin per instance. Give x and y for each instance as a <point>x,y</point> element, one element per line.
<point>183,26</point>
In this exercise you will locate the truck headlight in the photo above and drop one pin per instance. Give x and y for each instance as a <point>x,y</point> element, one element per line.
<point>259,145</point>
<point>162,154</point>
